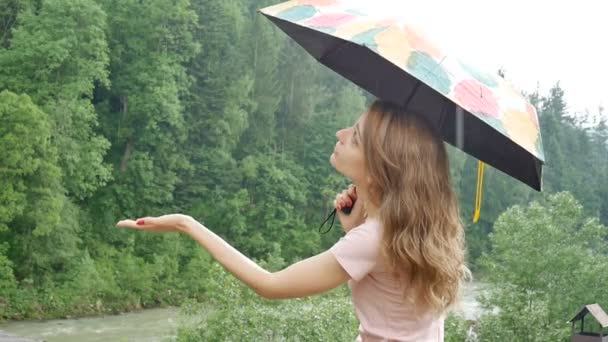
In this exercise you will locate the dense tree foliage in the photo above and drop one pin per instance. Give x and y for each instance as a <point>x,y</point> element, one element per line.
<point>113,109</point>
<point>546,264</point>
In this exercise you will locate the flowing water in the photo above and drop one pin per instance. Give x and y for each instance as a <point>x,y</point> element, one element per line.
<point>151,325</point>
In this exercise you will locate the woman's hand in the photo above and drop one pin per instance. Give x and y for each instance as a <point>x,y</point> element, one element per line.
<point>165,223</point>
<point>349,198</point>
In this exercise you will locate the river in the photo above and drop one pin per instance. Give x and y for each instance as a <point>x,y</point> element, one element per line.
<point>151,325</point>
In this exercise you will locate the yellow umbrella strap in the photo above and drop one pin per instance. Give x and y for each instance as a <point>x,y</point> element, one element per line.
<point>480,167</point>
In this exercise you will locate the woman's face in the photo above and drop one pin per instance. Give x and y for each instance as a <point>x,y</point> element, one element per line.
<point>347,157</point>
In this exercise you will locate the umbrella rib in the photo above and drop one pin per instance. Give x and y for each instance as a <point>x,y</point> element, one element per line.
<point>334,49</point>
<point>411,95</point>
<point>442,116</point>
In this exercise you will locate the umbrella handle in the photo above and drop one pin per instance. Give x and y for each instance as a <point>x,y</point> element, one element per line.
<point>347,210</point>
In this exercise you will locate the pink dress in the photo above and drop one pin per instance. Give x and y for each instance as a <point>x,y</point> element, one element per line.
<point>377,295</point>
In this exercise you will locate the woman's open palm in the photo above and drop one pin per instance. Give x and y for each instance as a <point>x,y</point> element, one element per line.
<point>165,223</point>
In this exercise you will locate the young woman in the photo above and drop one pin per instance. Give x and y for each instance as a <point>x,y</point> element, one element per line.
<point>403,251</point>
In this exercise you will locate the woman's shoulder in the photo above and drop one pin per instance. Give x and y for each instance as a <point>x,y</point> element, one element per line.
<point>368,233</point>
<point>371,226</point>
<point>358,250</point>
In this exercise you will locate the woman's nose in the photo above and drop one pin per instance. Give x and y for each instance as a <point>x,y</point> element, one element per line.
<point>340,135</point>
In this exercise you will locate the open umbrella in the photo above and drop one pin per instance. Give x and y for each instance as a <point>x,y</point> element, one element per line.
<point>478,112</point>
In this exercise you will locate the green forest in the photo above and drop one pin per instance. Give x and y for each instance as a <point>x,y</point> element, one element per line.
<point>118,109</point>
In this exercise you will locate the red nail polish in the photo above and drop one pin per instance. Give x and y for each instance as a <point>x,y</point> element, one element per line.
<point>140,222</point>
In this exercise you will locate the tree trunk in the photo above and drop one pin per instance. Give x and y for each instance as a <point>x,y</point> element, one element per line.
<point>125,157</point>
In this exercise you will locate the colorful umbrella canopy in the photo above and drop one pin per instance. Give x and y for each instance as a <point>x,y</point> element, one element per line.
<point>480,113</point>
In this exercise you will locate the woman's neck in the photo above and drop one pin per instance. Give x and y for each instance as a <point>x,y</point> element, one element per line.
<point>363,194</point>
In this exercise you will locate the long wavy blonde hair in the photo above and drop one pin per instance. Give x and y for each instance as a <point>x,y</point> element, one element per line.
<point>410,185</point>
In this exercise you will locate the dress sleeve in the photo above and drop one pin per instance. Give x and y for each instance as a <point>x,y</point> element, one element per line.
<point>357,252</point>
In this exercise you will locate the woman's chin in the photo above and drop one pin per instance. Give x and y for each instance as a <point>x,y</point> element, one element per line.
<point>332,161</point>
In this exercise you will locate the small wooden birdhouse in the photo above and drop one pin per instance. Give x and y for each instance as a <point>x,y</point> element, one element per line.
<point>600,317</point>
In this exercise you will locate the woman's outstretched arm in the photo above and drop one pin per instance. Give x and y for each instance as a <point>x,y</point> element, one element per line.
<point>311,276</point>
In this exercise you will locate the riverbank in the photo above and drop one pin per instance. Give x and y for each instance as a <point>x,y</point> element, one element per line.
<point>49,304</point>
<point>158,324</point>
